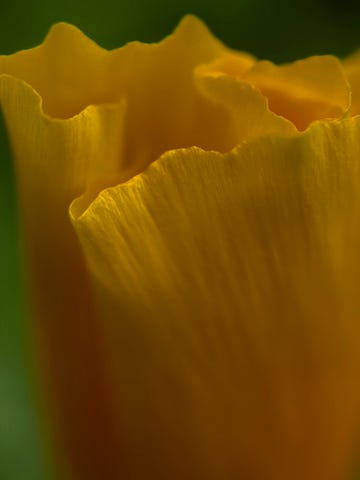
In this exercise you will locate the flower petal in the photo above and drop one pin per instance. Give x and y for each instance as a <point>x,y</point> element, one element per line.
<point>246,106</point>
<point>303,91</point>
<point>55,160</point>
<point>87,148</point>
<point>246,365</point>
<point>352,69</point>
<point>69,71</point>
<point>164,109</point>
<point>228,286</point>
<point>233,64</point>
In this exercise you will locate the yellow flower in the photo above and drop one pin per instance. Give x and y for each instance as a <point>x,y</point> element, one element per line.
<point>191,227</point>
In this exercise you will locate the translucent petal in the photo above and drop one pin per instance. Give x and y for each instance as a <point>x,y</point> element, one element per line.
<point>55,160</point>
<point>223,337</point>
<point>80,119</point>
<point>303,91</point>
<point>352,69</point>
<point>163,108</point>
<point>228,286</point>
<point>247,107</point>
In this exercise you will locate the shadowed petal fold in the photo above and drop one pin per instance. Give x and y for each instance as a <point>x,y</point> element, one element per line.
<point>304,91</point>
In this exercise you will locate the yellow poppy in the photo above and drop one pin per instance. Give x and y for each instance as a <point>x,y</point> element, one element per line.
<point>191,232</point>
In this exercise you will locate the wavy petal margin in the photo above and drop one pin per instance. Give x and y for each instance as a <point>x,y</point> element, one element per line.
<point>206,231</point>
<point>228,286</point>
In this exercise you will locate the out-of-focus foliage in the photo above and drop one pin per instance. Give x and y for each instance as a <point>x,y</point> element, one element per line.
<point>280,30</point>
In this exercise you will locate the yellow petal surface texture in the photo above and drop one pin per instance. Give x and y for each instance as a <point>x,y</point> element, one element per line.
<point>70,72</point>
<point>306,90</point>
<point>190,230</point>
<point>248,108</point>
<point>69,105</point>
<point>228,287</point>
<point>352,69</point>
<point>55,160</point>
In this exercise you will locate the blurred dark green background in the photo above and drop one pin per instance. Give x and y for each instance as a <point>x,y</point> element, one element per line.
<point>279,30</point>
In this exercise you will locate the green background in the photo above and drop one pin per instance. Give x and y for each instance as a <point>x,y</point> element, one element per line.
<point>279,30</point>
